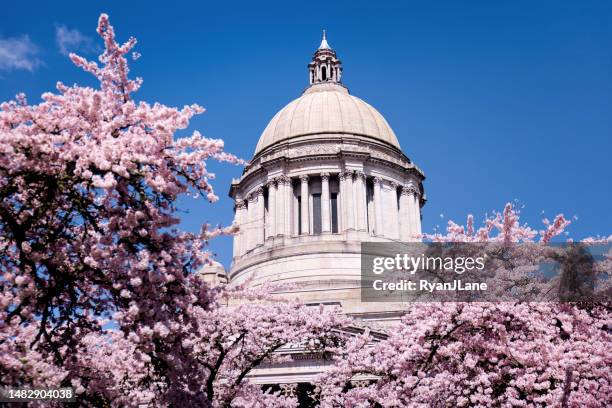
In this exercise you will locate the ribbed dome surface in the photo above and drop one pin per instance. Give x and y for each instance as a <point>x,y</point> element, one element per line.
<point>326,108</point>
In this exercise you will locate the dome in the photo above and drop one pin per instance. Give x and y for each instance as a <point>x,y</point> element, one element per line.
<point>212,267</point>
<point>213,273</point>
<point>326,108</point>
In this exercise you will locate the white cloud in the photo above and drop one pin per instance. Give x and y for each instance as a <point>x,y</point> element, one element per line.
<point>73,40</point>
<point>18,53</point>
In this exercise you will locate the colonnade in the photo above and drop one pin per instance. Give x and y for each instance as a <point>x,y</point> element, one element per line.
<point>395,209</point>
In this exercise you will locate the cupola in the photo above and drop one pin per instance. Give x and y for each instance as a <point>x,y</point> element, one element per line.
<point>325,66</point>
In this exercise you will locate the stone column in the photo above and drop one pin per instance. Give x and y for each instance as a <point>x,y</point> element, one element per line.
<point>260,227</point>
<point>342,202</point>
<point>287,195</point>
<point>271,208</point>
<point>360,201</point>
<point>240,238</point>
<point>416,197</point>
<point>405,219</point>
<point>236,246</point>
<point>325,203</point>
<point>394,214</point>
<point>305,205</point>
<point>280,206</point>
<point>251,228</point>
<point>378,203</point>
<point>348,204</point>
<point>414,212</point>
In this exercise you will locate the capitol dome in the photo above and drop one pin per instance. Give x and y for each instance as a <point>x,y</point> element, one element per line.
<point>328,173</point>
<point>326,109</point>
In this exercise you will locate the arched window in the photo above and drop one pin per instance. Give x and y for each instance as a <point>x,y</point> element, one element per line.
<point>323,73</point>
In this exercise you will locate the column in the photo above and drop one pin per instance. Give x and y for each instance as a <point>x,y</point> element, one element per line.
<point>325,203</point>
<point>250,231</point>
<point>280,206</point>
<point>236,246</point>
<point>244,220</point>
<point>259,225</point>
<point>350,214</point>
<point>288,210</point>
<point>305,209</point>
<point>271,208</point>
<point>416,197</point>
<point>341,200</point>
<point>348,205</point>
<point>378,206</point>
<point>404,215</point>
<point>360,201</point>
<point>394,214</point>
<point>240,238</point>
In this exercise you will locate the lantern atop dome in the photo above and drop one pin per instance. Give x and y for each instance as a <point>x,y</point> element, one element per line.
<point>325,66</point>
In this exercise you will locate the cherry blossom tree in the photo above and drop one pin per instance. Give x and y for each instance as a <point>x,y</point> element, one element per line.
<point>204,363</point>
<point>483,353</point>
<point>88,182</point>
<point>99,289</point>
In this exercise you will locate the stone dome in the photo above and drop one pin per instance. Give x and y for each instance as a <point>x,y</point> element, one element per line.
<point>326,109</point>
<point>213,273</point>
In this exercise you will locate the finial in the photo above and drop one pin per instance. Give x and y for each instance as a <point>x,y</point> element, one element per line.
<point>324,45</point>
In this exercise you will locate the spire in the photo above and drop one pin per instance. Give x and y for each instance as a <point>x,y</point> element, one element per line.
<point>325,67</point>
<point>324,45</point>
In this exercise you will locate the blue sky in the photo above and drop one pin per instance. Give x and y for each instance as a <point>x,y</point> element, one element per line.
<point>495,101</point>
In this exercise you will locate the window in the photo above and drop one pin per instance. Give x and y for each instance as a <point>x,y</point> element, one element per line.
<point>334,212</point>
<point>316,213</point>
<point>323,73</point>
<point>370,205</point>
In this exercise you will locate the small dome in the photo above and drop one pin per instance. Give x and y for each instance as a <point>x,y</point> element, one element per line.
<point>213,273</point>
<point>212,267</point>
<point>326,108</point>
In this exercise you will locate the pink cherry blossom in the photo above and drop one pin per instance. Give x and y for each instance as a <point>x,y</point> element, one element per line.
<point>483,354</point>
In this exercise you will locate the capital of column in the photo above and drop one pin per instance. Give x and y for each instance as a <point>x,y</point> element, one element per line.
<point>360,383</point>
<point>346,175</point>
<point>304,178</point>
<point>394,184</point>
<point>240,204</point>
<point>260,190</point>
<point>377,180</point>
<point>288,390</point>
<point>325,176</point>
<point>271,182</point>
<point>283,179</point>
<point>360,174</point>
<point>410,190</point>
<point>252,197</point>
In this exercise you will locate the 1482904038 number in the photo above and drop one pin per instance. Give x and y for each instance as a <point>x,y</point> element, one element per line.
<point>37,394</point>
